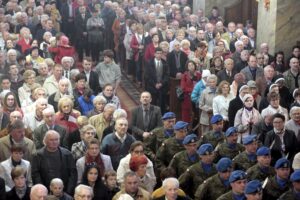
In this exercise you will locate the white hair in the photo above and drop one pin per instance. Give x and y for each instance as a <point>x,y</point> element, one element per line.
<point>171,180</point>
<point>81,187</point>
<point>48,110</point>
<point>56,181</point>
<point>48,133</point>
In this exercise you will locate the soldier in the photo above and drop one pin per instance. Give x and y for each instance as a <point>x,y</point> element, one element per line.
<point>207,190</point>
<point>247,158</point>
<point>154,141</point>
<point>293,193</point>
<point>230,148</point>
<point>215,136</point>
<point>278,184</point>
<point>253,190</point>
<point>197,173</point>
<point>171,146</point>
<point>183,159</point>
<point>238,182</point>
<point>262,169</point>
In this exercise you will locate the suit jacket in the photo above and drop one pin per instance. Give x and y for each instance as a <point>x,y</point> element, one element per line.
<point>94,82</point>
<point>12,194</point>
<point>40,132</point>
<point>137,120</point>
<point>246,71</point>
<point>80,26</point>
<point>172,63</point>
<point>223,76</point>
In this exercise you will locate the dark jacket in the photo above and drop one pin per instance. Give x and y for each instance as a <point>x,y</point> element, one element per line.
<point>2,189</point>
<point>172,63</point>
<point>4,121</point>
<point>94,82</point>
<point>261,129</point>
<point>12,195</point>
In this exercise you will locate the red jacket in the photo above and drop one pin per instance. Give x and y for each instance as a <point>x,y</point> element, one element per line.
<point>62,51</point>
<point>149,53</point>
<point>187,84</point>
<point>23,45</point>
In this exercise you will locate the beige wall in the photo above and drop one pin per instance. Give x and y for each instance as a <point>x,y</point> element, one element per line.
<point>208,4</point>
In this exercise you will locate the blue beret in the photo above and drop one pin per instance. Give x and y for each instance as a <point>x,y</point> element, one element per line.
<point>263,151</point>
<point>216,118</point>
<point>190,139</point>
<point>237,175</point>
<point>249,139</point>
<point>295,176</point>
<point>230,131</point>
<point>224,164</point>
<point>168,115</point>
<point>253,187</point>
<point>180,125</point>
<point>282,163</point>
<point>205,149</point>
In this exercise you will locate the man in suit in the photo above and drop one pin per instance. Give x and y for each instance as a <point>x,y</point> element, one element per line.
<point>91,76</point>
<point>229,35</point>
<point>67,15</point>
<point>242,61</point>
<point>176,60</point>
<point>227,74</point>
<point>157,78</point>
<point>40,131</point>
<point>145,117</point>
<point>252,72</point>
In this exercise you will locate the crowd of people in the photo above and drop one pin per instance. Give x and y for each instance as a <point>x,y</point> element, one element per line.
<point>64,134</point>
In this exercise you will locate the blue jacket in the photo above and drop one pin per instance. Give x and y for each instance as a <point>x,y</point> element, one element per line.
<point>85,107</point>
<point>197,91</point>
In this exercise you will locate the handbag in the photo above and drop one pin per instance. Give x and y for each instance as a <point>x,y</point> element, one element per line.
<point>179,93</point>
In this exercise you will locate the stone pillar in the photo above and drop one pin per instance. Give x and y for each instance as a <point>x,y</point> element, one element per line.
<point>279,25</point>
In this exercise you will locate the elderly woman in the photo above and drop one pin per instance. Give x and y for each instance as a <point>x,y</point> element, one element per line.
<point>164,45</point>
<point>87,133</point>
<point>57,189</point>
<point>25,39</point>
<point>205,102</point>
<point>66,115</point>
<point>93,155</point>
<point>185,47</point>
<point>43,73</point>
<point>108,94</point>
<point>25,91</point>
<point>99,103</point>
<point>246,117</point>
<point>202,55</point>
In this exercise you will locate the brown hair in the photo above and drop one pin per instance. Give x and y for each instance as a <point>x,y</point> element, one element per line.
<point>17,172</point>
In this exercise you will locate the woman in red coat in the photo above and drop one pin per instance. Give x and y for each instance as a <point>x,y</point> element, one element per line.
<point>188,81</point>
<point>150,49</point>
<point>62,49</point>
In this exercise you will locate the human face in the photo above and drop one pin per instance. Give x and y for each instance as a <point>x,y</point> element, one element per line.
<point>66,107</point>
<point>87,66</point>
<point>108,91</point>
<point>177,47</point>
<point>225,89</point>
<point>225,175</point>
<point>121,127</point>
<point>252,61</point>
<point>52,142</point>
<point>49,118</point>
<point>169,123</point>
<point>255,196</point>
<point>141,170</point>
<point>35,53</point>
<point>93,150</point>
<point>5,84</point>
<point>57,189</point>
<point>84,194</point>
<point>251,148</point>
<point>294,64</point>
<point>171,191</point>
<point>18,134</point>
<point>269,72</point>
<point>81,83</point>
<point>107,59</point>
<point>17,155</point>
<point>218,126</point>
<point>191,67</point>
<point>131,184</point>
<point>41,106</point>
<point>88,135</point>
<point>244,92</point>
<point>249,102</point>
<point>264,161</point>
<point>212,83</point>
<point>13,70</point>
<point>260,59</point>
<point>92,175</point>
<point>14,116</point>
<point>137,151</point>
<point>10,101</point>
<point>283,173</point>
<point>231,27</point>
<point>145,98</point>
<point>296,52</point>
<point>111,181</point>
<point>158,55</point>
<point>232,139</point>
<point>57,72</point>
<point>238,187</point>
<point>20,181</point>
<point>208,159</point>
<point>180,134</point>
<point>275,102</point>
<point>296,115</point>
<point>31,79</point>
<point>39,195</point>
<point>99,106</point>
<point>191,148</point>
<point>108,114</point>
<point>278,123</point>
<point>200,35</point>
<point>67,64</point>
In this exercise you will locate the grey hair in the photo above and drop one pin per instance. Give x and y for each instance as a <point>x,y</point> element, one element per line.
<point>170,180</point>
<point>56,181</point>
<point>237,43</point>
<point>37,188</point>
<point>212,77</point>
<point>48,133</point>
<point>85,128</point>
<point>81,187</point>
<point>48,110</point>
<point>294,108</point>
<point>41,100</point>
<point>100,99</point>
<point>119,113</point>
<point>74,72</point>
<point>110,105</point>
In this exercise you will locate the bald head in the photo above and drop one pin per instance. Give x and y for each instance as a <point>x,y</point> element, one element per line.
<point>38,192</point>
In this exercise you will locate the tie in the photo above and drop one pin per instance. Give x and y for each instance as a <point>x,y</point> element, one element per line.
<point>66,74</point>
<point>146,119</point>
<point>229,74</point>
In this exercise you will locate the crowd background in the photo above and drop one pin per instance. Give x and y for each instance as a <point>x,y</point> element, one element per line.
<point>62,126</point>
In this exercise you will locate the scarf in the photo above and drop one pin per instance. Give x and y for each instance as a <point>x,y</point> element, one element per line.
<point>21,192</point>
<point>98,161</point>
<point>15,163</point>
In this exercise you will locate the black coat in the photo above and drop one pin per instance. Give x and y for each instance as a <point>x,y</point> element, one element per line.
<point>222,76</point>
<point>12,195</point>
<point>4,121</point>
<point>94,82</point>
<point>2,189</point>
<point>172,63</point>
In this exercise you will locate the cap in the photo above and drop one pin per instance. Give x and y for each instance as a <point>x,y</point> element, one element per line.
<point>237,175</point>
<point>263,151</point>
<point>230,131</point>
<point>243,87</point>
<point>216,118</point>
<point>296,162</point>
<point>224,164</point>
<point>295,176</point>
<point>168,115</point>
<point>205,149</point>
<point>251,84</point>
<point>282,163</point>
<point>278,78</point>
<point>253,187</point>
<point>191,138</point>
<point>249,139</point>
<point>180,125</point>
<point>272,85</point>
<point>247,96</point>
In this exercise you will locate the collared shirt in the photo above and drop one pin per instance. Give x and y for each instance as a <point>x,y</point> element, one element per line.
<point>281,135</point>
<point>87,75</point>
<point>122,139</point>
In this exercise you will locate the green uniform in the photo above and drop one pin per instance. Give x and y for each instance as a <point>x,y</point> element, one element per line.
<point>212,138</point>
<point>288,195</point>
<point>167,150</point>
<point>255,172</point>
<point>181,161</point>
<point>207,190</point>
<point>226,196</point>
<point>272,190</point>
<point>223,150</point>
<point>242,162</point>
<point>193,177</point>
<point>154,141</point>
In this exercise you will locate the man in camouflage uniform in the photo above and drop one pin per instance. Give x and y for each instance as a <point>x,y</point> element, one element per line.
<point>247,158</point>
<point>275,186</point>
<point>154,140</point>
<point>238,183</point>
<point>171,146</point>
<point>207,190</point>
<point>197,173</point>
<point>262,169</point>
<point>215,136</point>
<point>253,190</point>
<point>183,159</point>
<point>293,193</point>
<point>230,148</point>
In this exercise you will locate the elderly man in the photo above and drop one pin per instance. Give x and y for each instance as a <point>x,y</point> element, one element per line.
<point>242,61</point>
<point>67,63</point>
<point>227,73</point>
<point>252,71</point>
<point>293,123</point>
<point>291,76</point>
<point>145,117</point>
<point>266,80</point>
<point>103,120</point>
<point>170,187</point>
<point>131,187</point>
<point>264,49</point>
<point>16,136</point>
<point>57,189</point>
<point>48,124</point>
<point>38,192</point>
<point>176,60</point>
<point>53,161</point>
<point>83,192</point>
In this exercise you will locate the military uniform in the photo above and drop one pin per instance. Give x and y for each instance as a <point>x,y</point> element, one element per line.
<point>255,172</point>
<point>181,161</point>
<point>207,190</point>
<point>226,196</point>
<point>223,150</point>
<point>193,177</point>
<point>272,190</point>
<point>288,195</point>
<point>213,138</point>
<point>242,162</point>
